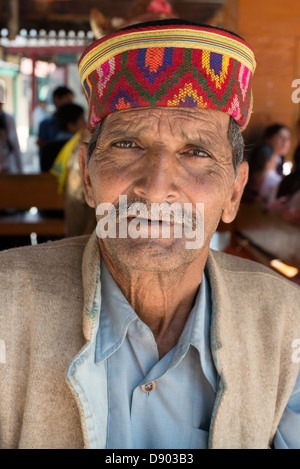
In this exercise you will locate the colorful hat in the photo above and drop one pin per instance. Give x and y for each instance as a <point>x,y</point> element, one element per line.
<point>168,63</point>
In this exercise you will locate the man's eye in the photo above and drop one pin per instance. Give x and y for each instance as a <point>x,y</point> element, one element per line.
<point>125,144</point>
<point>197,152</point>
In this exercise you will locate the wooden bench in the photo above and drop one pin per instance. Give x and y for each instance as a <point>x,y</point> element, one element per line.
<point>19,193</point>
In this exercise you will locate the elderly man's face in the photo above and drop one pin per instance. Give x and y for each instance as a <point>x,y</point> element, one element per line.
<point>173,155</point>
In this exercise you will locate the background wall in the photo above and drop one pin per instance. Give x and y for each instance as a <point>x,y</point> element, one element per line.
<point>272,28</point>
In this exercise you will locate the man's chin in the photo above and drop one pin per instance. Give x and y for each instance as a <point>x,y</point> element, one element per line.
<point>152,255</point>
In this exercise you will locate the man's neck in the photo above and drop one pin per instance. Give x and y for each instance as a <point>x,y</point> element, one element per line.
<point>162,300</point>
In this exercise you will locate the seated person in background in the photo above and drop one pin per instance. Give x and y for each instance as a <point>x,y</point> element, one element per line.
<point>290,184</point>
<point>279,137</point>
<point>48,128</point>
<point>259,161</point>
<point>287,202</point>
<point>79,217</point>
<point>70,119</point>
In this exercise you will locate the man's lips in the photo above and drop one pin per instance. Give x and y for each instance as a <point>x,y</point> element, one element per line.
<point>150,220</point>
<point>154,222</point>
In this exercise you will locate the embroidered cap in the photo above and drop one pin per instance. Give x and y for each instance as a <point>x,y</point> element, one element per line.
<point>168,63</point>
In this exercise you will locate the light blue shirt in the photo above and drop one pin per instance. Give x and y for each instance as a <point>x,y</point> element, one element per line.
<point>177,412</point>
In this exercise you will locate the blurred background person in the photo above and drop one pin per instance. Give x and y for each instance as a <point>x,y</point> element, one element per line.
<point>287,202</point>
<point>279,137</point>
<point>69,119</point>
<point>259,161</point>
<point>10,153</point>
<point>290,184</point>
<point>48,128</point>
<point>79,217</point>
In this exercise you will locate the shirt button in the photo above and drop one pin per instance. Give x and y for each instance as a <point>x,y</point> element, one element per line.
<point>148,387</point>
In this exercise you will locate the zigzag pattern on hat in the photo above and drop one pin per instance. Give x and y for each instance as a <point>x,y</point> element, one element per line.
<point>168,66</point>
<point>169,77</point>
<point>154,61</point>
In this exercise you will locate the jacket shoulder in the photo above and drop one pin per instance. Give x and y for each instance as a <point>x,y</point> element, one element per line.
<point>41,304</point>
<point>39,256</point>
<point>247,269</point>
<point>33,274</point>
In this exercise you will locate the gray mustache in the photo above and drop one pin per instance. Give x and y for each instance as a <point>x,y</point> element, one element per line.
<point>172,213</point>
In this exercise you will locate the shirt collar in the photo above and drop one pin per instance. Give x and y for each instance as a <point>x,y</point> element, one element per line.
<point>115,316</point>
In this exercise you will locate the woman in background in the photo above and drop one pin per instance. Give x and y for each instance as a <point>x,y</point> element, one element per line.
<point>279,137</point>
<point>259,162</point>
<point>287,202</point>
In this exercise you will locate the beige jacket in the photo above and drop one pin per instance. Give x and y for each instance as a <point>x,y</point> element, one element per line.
<point>47,317</point>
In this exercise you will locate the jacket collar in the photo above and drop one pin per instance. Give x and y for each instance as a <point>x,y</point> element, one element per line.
<point>90,276</point>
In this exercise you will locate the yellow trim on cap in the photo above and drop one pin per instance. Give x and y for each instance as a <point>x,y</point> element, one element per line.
<point>147,39</point>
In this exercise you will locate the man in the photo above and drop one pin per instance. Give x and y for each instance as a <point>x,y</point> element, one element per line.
<point>180,347</point>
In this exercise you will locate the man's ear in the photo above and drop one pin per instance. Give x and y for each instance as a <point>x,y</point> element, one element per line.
<point>232,203</point>
<point>85,175</point>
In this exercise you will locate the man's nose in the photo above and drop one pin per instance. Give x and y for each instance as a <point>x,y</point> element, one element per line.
<point>157,179</point>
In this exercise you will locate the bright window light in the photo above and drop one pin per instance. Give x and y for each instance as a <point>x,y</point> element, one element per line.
<point>33,210</point>
<point>287,168</point>
<point>285,269</point>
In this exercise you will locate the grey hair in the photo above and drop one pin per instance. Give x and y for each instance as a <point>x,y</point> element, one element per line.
<point>236,141</point>
<point>234,136</point>
<point>93,142</point>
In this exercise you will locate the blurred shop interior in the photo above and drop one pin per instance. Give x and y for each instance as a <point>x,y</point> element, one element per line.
<point>40,45</point>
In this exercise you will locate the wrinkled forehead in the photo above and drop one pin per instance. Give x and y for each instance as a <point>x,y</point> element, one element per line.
<point>186,121</point>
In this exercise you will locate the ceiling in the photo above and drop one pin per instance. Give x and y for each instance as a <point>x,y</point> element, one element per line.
<point>75,15</point>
